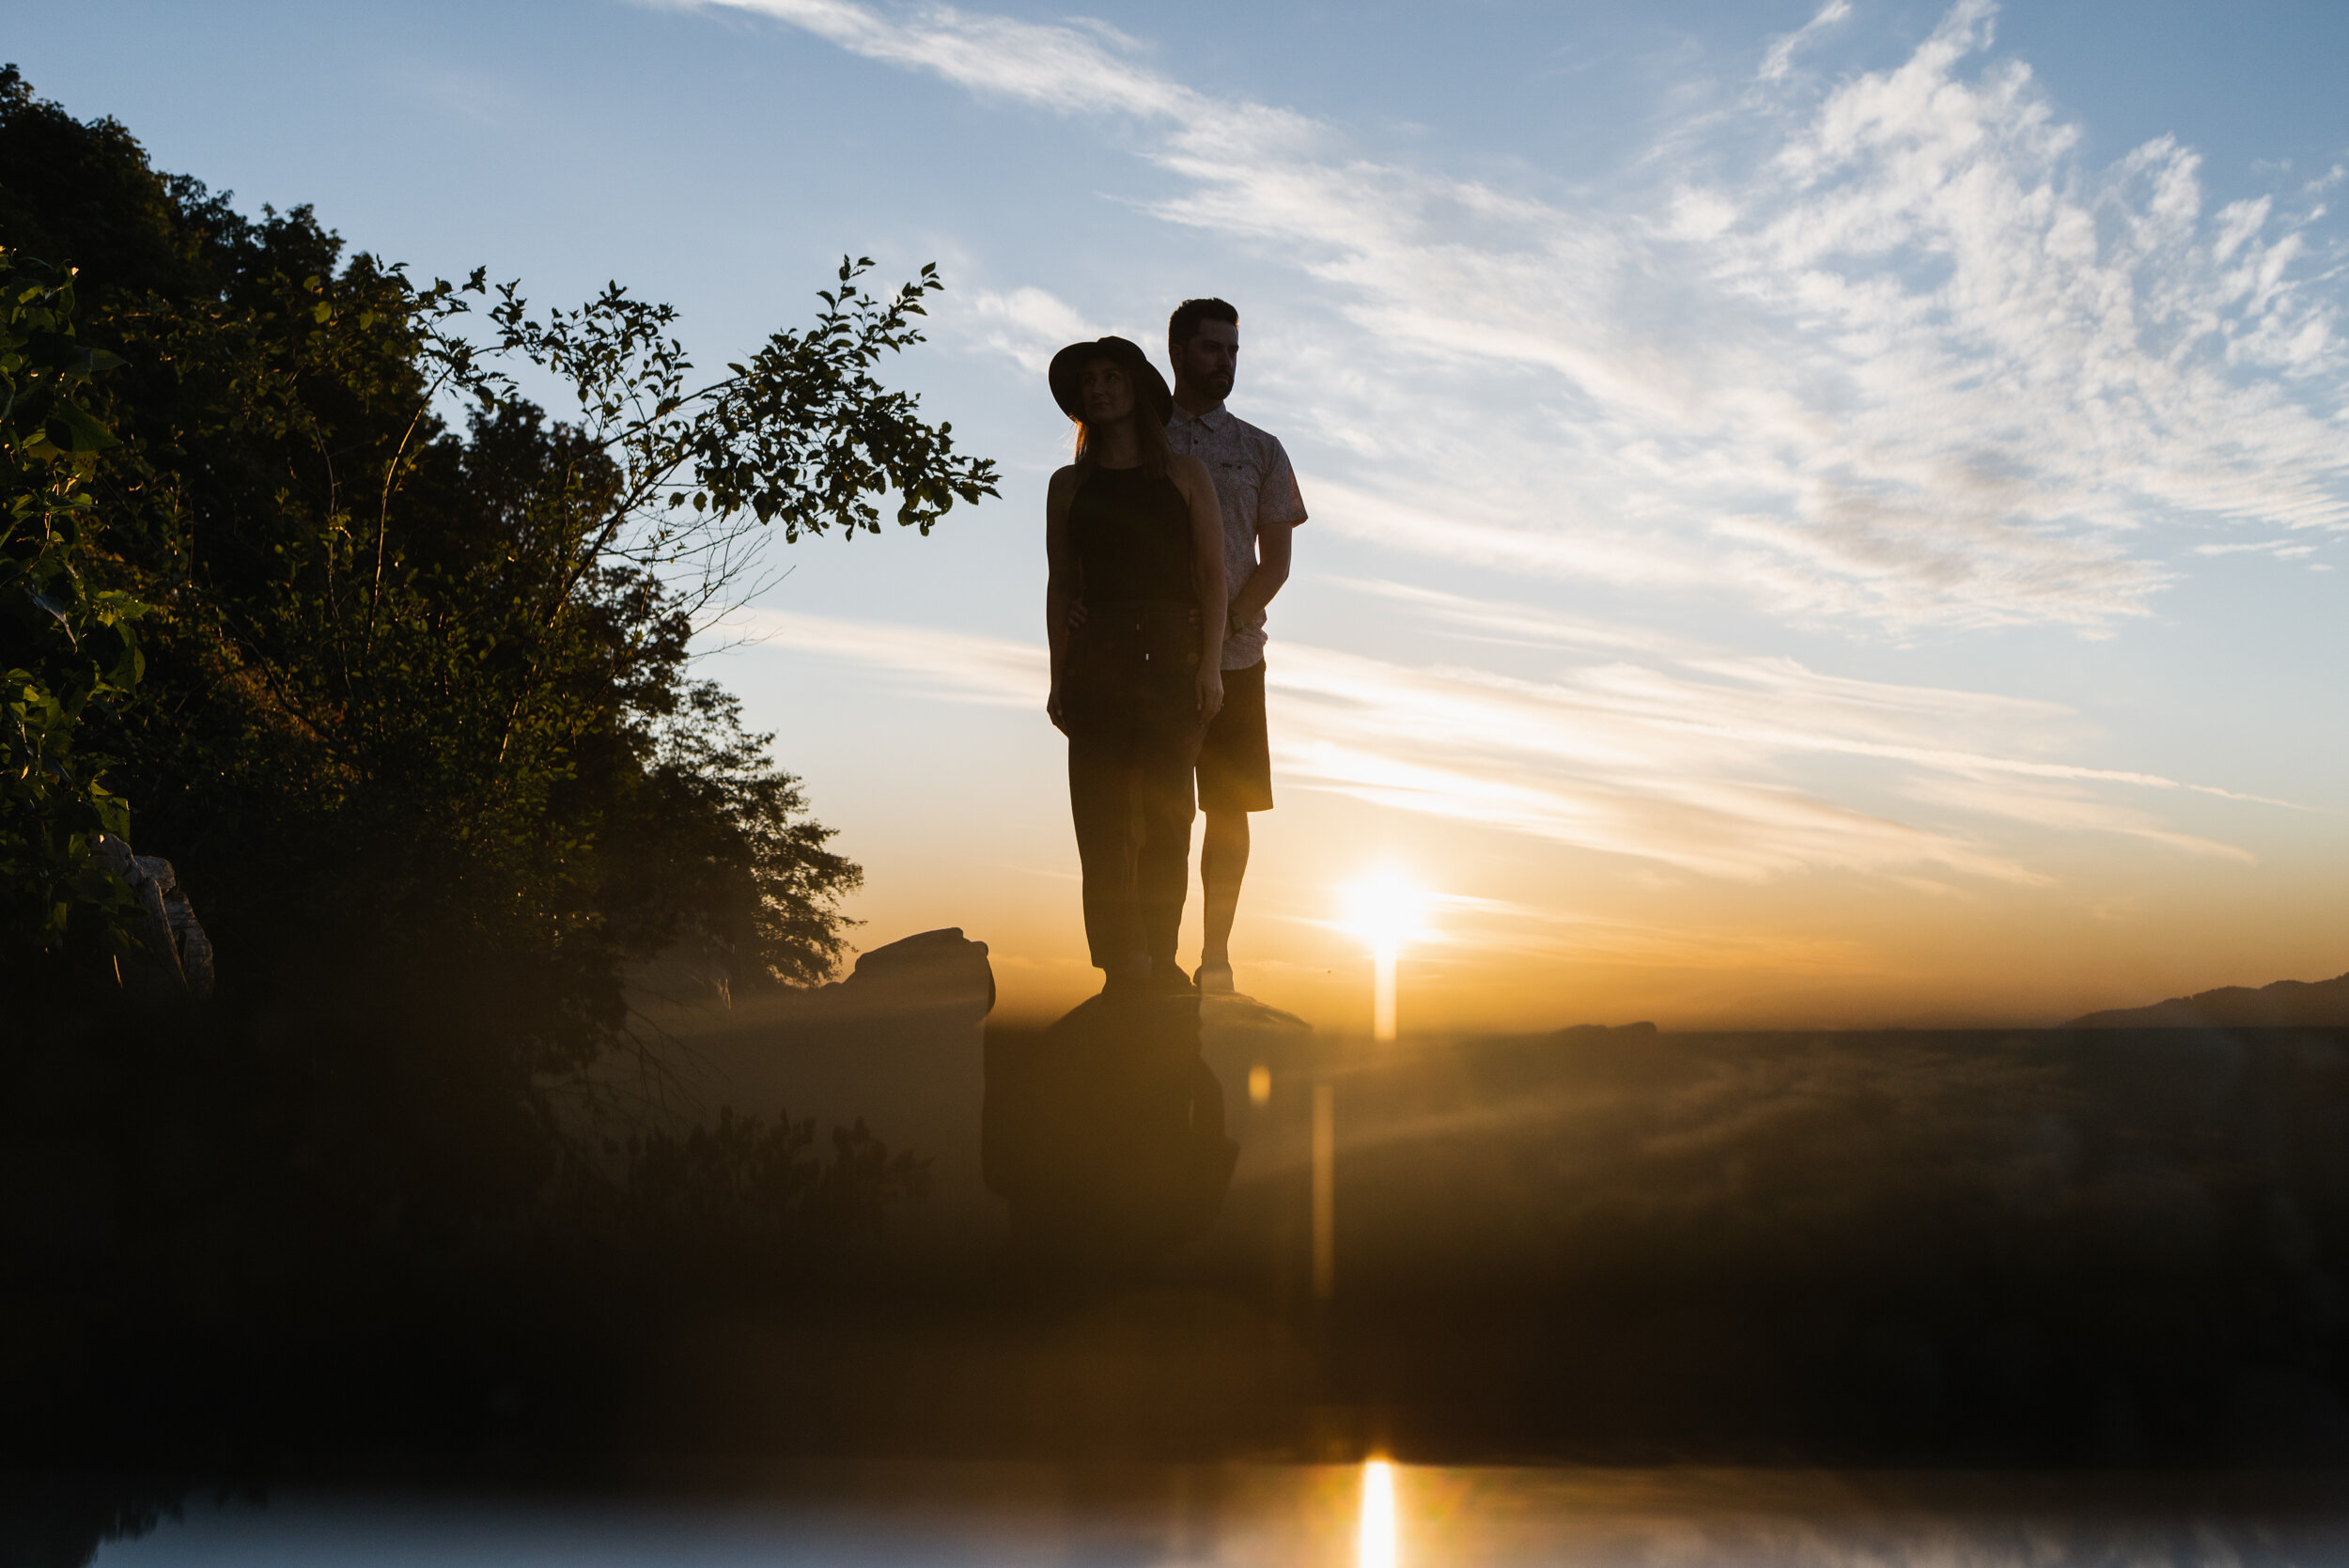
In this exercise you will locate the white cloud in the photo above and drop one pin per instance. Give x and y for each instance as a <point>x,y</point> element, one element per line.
<point>2282,549</point>
<point>1029,325</point>
<point>1879,351</point>
<point>1778,60</point>
<point>1669,753</point>
<point>1074,69</point>
<point>993,672</point>
<point>1788,708</point>
<point>2066,809</point>
<point>1584,764</point>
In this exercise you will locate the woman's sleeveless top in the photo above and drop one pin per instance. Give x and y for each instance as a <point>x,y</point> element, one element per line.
<point>1132,537</point>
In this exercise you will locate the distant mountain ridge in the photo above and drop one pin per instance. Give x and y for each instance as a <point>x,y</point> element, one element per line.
<point>2286,1005</point>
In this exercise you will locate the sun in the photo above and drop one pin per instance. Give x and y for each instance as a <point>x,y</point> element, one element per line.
<point>1386,909</point>
<point>1374,1545</point>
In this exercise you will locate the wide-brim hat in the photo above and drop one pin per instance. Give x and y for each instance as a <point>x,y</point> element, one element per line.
<point>1150,389</point>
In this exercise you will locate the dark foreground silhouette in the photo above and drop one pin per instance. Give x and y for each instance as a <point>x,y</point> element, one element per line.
<point>2285,1005</point>
<point>1104,1134</point>
<point>2102,1248</point>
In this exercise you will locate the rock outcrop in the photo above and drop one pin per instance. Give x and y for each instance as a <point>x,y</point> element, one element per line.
<point>2286,1005</point>
<point>1104,1133</point>
<point>940,970</point>
<point>1582,1031</point>
<point>1232,1017</point>
<point>177,956</point>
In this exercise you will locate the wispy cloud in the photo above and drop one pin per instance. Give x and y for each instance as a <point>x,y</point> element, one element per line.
<point>2067,809</point>
<point>1028,325</point>
<point>1786,706</point>
<point>1878,350</point>
<point>1778,60</point>
<point>1669,754</point>
<point>993,672</point>
<point>2283,549</point>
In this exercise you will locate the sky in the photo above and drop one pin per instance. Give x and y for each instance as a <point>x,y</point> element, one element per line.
<point>1820,515</point>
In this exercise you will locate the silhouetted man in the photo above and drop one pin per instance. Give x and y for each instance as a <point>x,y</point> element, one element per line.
<point>1260,504</point>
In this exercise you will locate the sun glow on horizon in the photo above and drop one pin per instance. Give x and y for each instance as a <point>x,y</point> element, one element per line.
<point>1386,909</point>
<point>1377,1546</point>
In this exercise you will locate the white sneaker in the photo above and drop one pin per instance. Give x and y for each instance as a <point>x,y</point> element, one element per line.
<point>1215,978</point>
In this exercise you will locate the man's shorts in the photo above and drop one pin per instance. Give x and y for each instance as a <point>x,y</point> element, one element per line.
<point>1236,760</point>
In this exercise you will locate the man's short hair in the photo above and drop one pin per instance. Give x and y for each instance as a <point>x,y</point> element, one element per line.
<point>1183,325</point>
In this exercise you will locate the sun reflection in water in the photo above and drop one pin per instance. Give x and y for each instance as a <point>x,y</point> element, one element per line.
<point>1376,1545</point>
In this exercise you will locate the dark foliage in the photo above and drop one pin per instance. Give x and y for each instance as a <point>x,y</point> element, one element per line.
<point>409,706</point>
<point>67,647</point>
<point>416,696</point>
<point>416,693</point>
<point>755,1194</point>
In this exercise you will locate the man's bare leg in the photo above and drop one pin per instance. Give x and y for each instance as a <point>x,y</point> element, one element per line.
<point>1223,861</point>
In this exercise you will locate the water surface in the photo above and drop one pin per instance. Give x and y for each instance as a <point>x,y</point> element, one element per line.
<point>1369,1516</point>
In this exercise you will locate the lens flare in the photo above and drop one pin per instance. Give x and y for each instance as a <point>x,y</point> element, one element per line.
<point>1375,1548</point>
<point>1325,1190</point>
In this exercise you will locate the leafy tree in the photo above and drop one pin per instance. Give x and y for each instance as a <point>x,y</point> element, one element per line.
<point>410,707</point>
<point>65,642</point>
<point>802,433</point>
<point>418,723</point>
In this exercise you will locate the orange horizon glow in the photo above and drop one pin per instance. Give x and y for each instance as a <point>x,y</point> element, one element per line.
<point>1573,891</point>
<point>1530,943</point>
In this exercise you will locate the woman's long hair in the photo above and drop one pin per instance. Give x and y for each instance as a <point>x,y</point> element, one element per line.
<point>1149,435</point>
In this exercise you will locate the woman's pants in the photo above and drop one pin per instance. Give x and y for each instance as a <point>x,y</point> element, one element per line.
<point>1129,699</point>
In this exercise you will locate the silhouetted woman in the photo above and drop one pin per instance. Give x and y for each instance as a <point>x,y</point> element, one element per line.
<point>1134,609</point>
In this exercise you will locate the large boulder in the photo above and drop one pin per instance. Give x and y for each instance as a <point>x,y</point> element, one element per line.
<point>175,956</point>
<point>1104,1133</point>
<point>939,971</point>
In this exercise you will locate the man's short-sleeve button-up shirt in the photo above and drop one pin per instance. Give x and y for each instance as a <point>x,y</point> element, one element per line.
<point>1257,489</point>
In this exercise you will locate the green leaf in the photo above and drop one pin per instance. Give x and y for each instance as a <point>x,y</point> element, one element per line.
<point>74,430</point>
